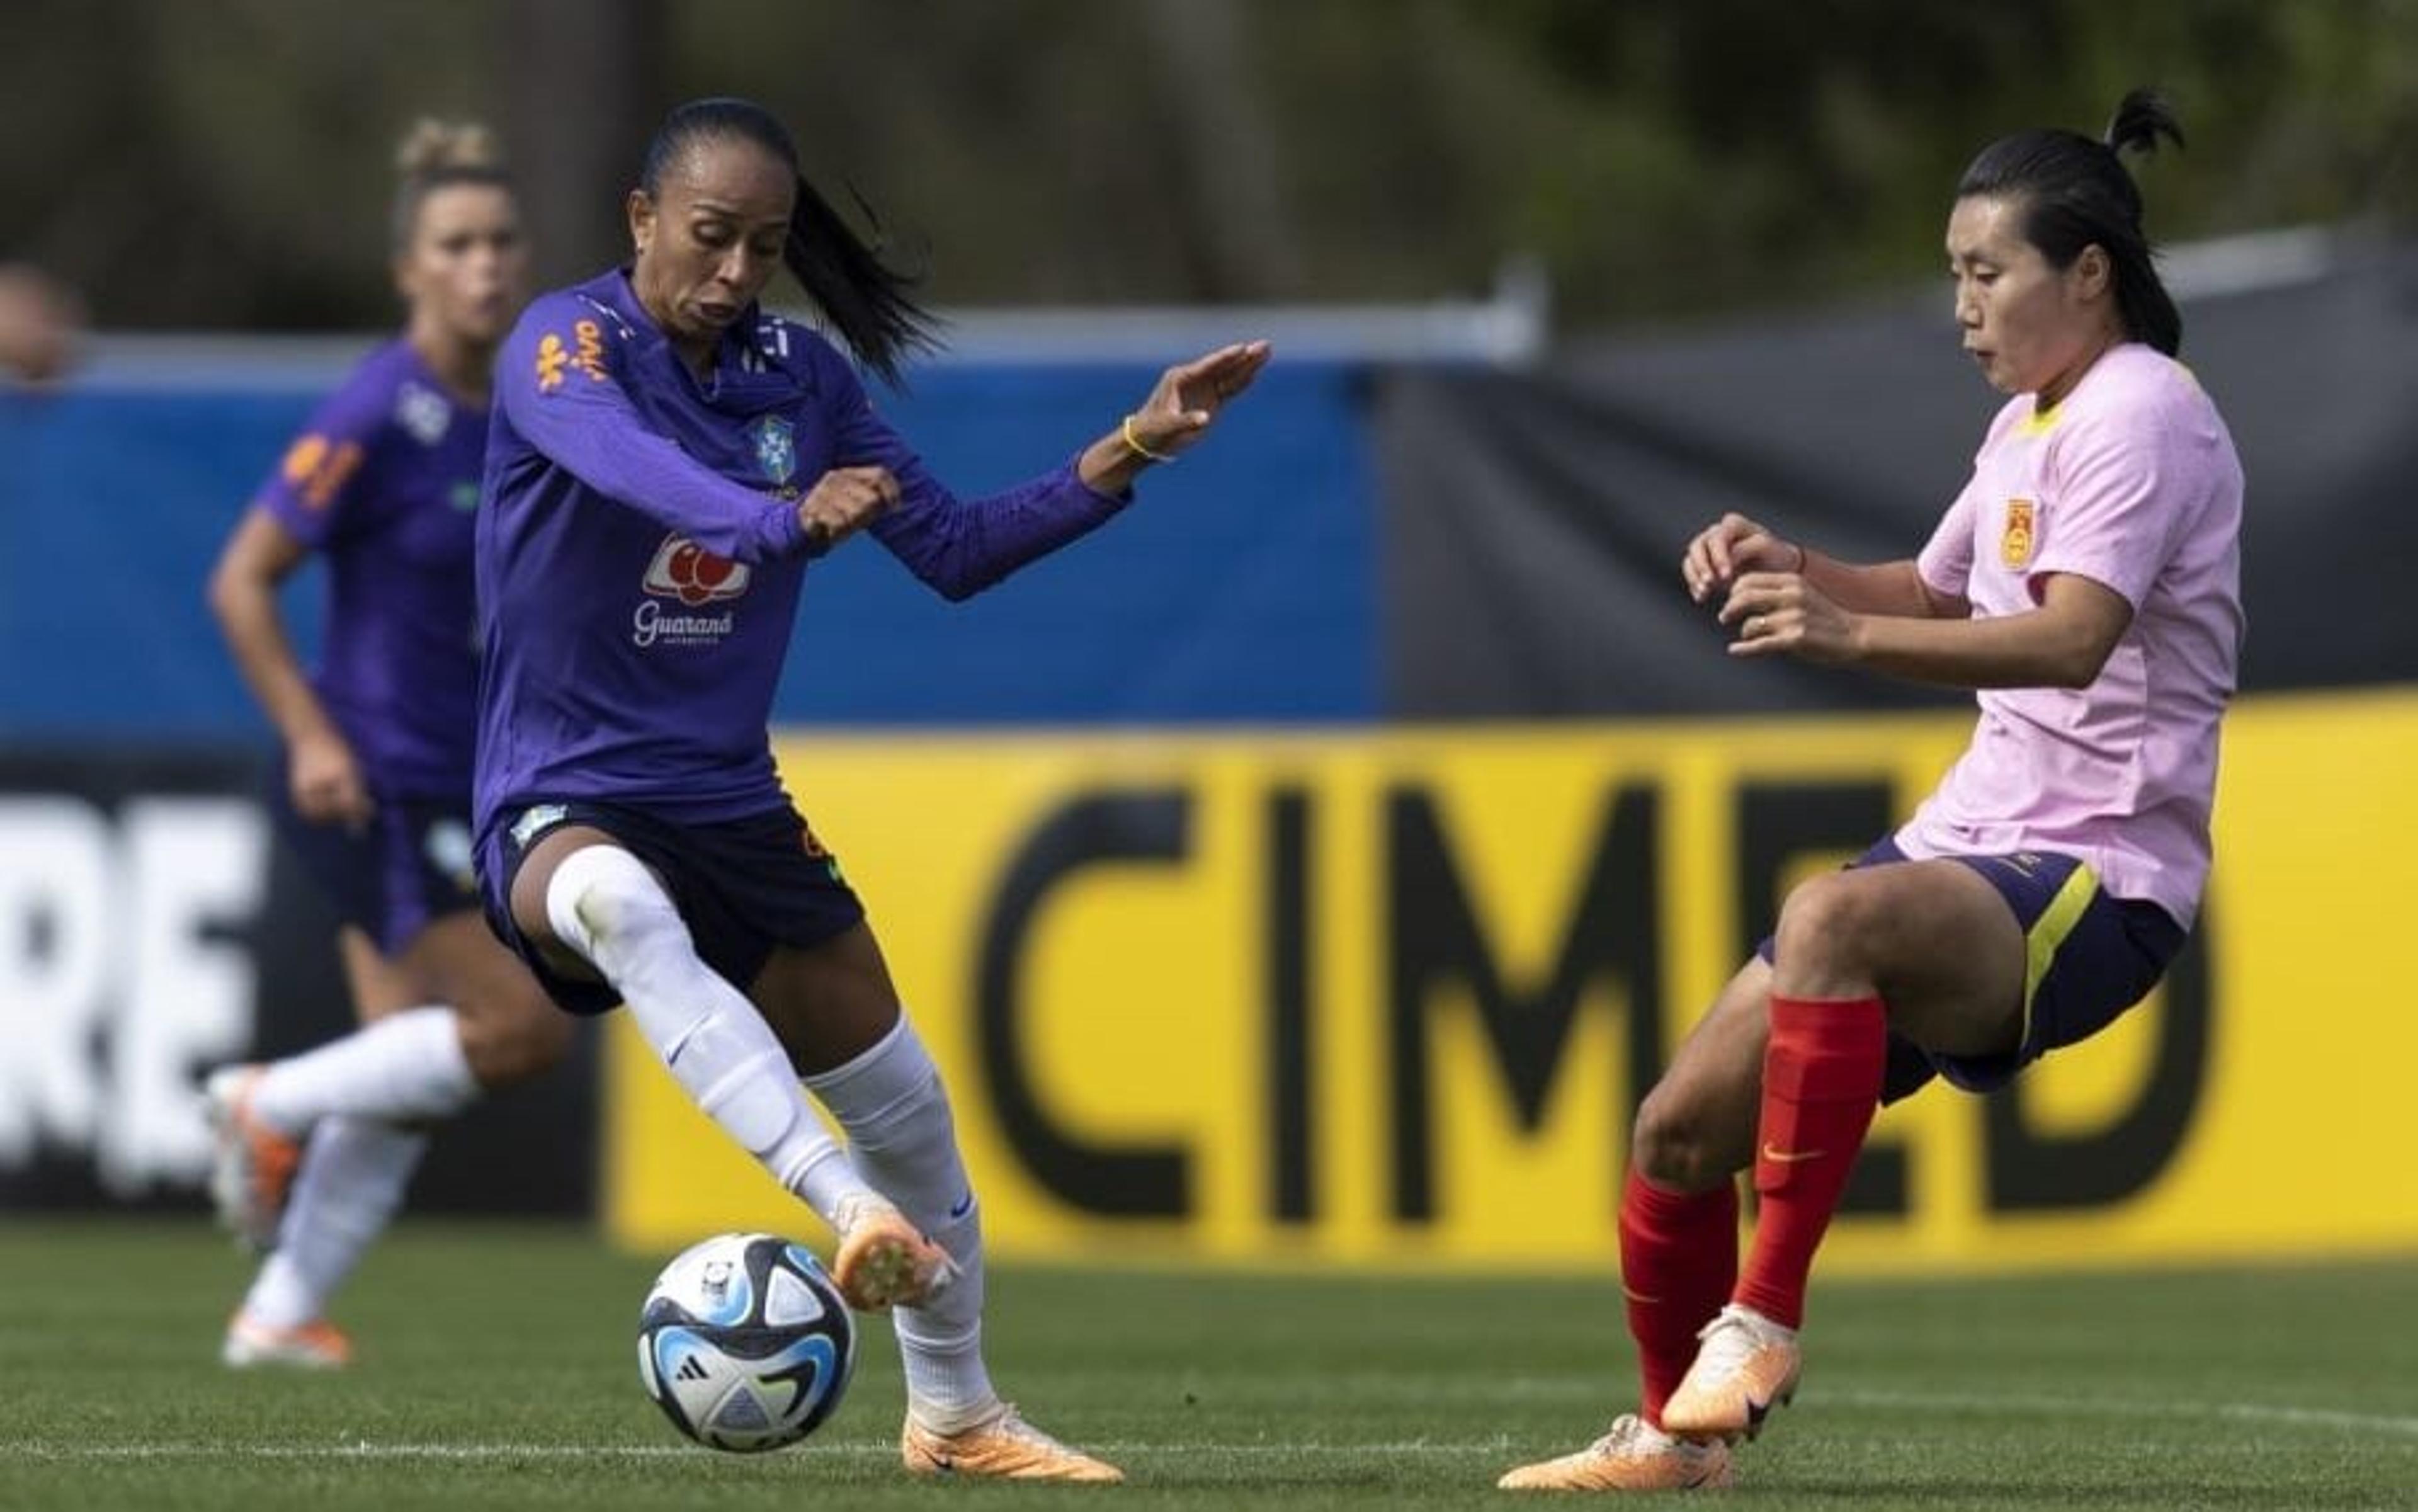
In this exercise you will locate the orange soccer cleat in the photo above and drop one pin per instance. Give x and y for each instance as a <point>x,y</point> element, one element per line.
<point>253,1166</point>
<point>883,1260</point>
<point>1002,1447</point>
<point>1748,1366</point>
<point>1632,1455</point>
<point>317,1345</point>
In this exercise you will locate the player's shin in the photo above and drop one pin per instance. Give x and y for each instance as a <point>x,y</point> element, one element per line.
<point>1678,1260</point>
<point>1821,1084</point>
<point>405,1067</point>
<point>903,1139</point>
<point>352,1176</point>
<point>605,904</point>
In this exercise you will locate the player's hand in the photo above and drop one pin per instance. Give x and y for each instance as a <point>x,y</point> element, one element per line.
<point>1780,614</point>
<point>1187,398</point>
<point>1734,545</point>
<point>324,782</point>
<point>844,501</point>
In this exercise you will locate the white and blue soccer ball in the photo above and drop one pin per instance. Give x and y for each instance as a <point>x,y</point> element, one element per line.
<point>745,1344</point>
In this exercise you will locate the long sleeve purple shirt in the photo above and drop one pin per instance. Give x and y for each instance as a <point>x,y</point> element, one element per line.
<point>381,483</point>
<point>639,556</point>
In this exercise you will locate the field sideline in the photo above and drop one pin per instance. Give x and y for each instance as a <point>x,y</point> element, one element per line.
<point>499,1371</point>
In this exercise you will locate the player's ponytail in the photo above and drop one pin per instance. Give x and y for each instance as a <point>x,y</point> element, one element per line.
<point>2076,194</point>
<point>867,300</point>
<point>867,303</point>
<point>434,154</point>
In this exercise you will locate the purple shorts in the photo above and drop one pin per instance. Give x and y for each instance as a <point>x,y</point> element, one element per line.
<point>742,886</point>
<point>409,866</point>
<point>2091,956</point>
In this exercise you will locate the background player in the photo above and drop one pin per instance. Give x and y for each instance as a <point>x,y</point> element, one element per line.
<point>315,1152</point>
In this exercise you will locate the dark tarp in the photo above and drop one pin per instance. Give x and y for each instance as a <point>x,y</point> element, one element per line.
<point>1536,519</point>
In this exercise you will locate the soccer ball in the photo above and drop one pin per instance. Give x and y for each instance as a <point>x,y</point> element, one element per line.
<point>744,1343</point>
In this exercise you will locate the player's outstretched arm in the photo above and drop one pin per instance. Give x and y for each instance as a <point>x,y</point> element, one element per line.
<point>1181,407</point>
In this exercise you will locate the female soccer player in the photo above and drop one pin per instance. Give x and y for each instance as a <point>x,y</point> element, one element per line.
<point>376,778</point>
<point>668,457</point>
<point>2086,584</point>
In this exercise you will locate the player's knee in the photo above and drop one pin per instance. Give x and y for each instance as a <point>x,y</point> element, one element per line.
<point>513,1039</point>
<point>1824,924</point>
<point>601,895</point>
<point>1673,1143</point>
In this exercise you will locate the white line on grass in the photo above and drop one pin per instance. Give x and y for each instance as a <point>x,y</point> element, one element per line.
<point>1889,1400</point>
<point>2124,1407</point>
<point>50,1451</point>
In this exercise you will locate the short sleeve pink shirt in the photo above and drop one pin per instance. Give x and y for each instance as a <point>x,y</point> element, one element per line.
<point>2131,482</point>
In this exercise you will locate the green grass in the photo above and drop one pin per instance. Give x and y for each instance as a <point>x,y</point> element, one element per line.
<point>499,1371</point>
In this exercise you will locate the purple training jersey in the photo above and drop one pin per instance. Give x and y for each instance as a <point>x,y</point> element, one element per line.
<point>639,555</point>
<point>384,484</point>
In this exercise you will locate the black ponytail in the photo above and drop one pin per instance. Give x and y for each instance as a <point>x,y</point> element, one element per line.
<point>867,300</point>
<point>869,303</point>
<point>2076,194</point>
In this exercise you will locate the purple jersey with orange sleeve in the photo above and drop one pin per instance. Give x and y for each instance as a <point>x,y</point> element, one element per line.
<point>640,558</point>
<point>383,483</point>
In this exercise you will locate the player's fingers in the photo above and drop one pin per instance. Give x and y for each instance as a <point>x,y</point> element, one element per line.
<point>1240,367</point>
<point>1208,364</point>
<point>1699,563</point>
<point>1750,597</point>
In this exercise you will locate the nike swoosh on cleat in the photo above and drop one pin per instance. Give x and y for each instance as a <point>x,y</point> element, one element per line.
<point>962,1206</point>
<point>1790,1157</point>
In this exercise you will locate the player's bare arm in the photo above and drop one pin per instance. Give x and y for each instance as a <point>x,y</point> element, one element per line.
<point>2062,644</point>
<point>1736,547</point>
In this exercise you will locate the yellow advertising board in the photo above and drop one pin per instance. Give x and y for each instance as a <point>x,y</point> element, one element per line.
<point>1389,998</point>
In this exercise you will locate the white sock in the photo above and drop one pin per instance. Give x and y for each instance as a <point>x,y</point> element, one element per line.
<point>606,906</point>
<point>354,1173</point>
<point>402,1067</point>
<point>903,1138</point>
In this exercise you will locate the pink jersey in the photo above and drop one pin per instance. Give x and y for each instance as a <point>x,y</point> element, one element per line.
<point>2133,483</point>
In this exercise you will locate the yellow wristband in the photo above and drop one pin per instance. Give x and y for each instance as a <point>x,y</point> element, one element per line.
<point>1136,447</point>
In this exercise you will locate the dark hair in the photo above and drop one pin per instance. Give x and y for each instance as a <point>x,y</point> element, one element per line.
<point>866,300</point>
<point>2076,192</point>
<point>436,155</point>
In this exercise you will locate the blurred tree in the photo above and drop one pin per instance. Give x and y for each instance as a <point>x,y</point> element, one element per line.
<point>584,82</point>
<point>223,162</point>
<point>1225,150</point>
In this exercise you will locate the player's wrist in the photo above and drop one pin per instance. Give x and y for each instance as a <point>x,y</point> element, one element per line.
<point>1139,448</point>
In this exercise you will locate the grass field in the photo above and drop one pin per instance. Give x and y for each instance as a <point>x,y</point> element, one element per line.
<point>498,1371</point>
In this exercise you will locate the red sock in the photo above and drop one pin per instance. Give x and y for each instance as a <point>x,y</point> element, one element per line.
<point>1678,1258</point>
<point>1821,1082</point>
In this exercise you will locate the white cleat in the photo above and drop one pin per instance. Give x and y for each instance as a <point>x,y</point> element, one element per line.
<point>317,1345</point>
